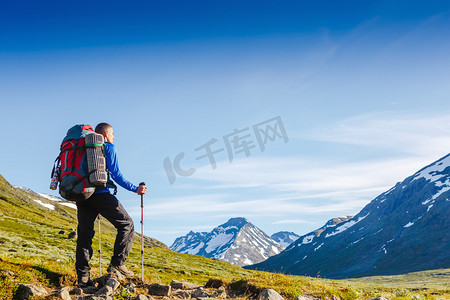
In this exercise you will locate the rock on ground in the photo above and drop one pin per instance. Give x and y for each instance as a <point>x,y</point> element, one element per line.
<point>89,290</point>
<point>76,291</point>
<point>178,285</point>
<point>181,294</point>
<point>269,294</point>
<point>159,289</point>
<point>24,291</point>
<point>111,285</point>
<point>64,293</point>
<point>200,293</point>
<point>214,283</point>
<point>220,293</point>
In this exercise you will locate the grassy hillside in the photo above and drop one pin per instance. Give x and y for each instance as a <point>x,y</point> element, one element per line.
<point>32,248</point>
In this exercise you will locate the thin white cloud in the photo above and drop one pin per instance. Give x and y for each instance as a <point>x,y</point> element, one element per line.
<point>217,207</point>
<point>182,205</point>
<point>296,221</point>
<point>408,133</point>
<point>310,178</point>
<point>180,230</point>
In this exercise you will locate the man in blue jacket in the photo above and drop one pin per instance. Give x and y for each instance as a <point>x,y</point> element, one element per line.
<point>104,203</point>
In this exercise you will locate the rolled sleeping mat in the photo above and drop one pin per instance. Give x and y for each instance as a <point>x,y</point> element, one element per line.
<point>96,159</point>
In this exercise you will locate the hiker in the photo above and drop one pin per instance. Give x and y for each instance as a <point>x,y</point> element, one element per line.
<point>104,203</point>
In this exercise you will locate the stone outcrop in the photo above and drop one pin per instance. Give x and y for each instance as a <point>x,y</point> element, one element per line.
<point>269,294</point>
<point>25,291</point>
<point>178,285</point>
<point>157,289</point>
<point>111,285</point>
<point>64,293</point>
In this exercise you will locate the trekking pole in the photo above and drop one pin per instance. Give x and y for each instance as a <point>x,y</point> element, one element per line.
<point>142,234</point>
<point>99,249</point>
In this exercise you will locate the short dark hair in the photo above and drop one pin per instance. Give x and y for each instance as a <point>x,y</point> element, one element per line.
<point>102,127</point>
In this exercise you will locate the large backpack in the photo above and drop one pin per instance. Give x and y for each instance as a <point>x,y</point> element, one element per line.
<point>81,163</point>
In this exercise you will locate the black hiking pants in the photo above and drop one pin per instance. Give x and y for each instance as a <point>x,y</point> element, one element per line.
<point>110,208</point>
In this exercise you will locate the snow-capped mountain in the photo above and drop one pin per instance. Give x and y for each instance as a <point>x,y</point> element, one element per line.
<point>403,230</point>
<point>284,238</point>
<point>237,241</point>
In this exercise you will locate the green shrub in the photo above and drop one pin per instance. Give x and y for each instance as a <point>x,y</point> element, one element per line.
<point>402,293</point>
<point>417,297</point>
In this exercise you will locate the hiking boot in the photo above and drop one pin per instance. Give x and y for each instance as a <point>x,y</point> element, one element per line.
<point>121,269</point>
<point>85,281</point>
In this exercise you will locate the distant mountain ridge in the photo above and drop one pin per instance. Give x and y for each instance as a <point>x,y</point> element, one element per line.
<point>284,238</point>
<point>237,241</point>
<point>405,229</point>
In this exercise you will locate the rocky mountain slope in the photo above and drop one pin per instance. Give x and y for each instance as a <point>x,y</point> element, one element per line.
<point>284,238</point>
<point>405,229</point>
<point>237,241</point>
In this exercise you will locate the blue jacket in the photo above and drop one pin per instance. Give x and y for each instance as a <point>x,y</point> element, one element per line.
<point>112,165</point>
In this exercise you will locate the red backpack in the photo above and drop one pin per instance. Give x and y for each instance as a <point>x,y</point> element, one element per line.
<point>74,183</point>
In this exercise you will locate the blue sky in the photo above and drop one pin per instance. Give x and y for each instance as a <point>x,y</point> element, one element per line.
<point>361,87</point>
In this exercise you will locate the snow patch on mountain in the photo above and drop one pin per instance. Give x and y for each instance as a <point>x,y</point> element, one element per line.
<point>308,239</point>
<point>318,247</point>
<point>69,204</point>
<point>409,224</point>
<point>47,205</point>
<point>435,196</point>
<point>196,249</point>
<point>432,172</point>
<point>217,241</point>
<point>50,197</point>
<point>346,226</point>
